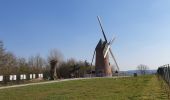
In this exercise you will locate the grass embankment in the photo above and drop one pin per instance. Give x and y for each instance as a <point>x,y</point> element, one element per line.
<point>130,88</point>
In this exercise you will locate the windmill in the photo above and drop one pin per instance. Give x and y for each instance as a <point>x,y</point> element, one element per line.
<point>102,51</point>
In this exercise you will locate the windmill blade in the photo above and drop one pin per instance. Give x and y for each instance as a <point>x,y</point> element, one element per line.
<point>114,59</point>
<point>106,50</point>
<point>111,41</point>
<point>93,57</point>
<point>102,28</point>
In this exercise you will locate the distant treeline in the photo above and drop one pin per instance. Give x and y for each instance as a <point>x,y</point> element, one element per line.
<point>10,64</point>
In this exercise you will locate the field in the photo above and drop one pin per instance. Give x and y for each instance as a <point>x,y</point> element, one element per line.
<point>130,88</point>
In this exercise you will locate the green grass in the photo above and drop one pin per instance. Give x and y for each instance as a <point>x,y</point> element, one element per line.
<point>131,88</point>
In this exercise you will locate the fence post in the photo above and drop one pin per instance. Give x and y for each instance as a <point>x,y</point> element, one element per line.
<point>164,72</point>
<point>168,75</point>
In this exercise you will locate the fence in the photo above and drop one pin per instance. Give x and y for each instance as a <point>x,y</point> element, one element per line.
<point>164,72</point>
<point>16,78</point>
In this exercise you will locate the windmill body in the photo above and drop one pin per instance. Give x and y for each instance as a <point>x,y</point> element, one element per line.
<point>102,63</point>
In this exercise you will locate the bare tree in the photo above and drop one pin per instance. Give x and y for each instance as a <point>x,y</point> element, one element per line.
<point>142,69</point>
<point>1,47</point>
<point>36,63</point>
<point>71,62</point>
<point>2,54</point>
<point>55,58</point>
<point>10,64</point>
<point>23,66</point>
<point>8,61</point>
<point>39,62</point>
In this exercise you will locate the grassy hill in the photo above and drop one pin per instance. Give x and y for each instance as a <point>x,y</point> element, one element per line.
<point>130,88</point>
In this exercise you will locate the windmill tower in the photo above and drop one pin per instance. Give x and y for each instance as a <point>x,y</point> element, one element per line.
<point>102,51</point>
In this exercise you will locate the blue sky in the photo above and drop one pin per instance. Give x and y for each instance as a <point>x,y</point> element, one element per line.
<point>141,27</point>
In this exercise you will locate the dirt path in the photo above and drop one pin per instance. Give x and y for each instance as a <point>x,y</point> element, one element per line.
<point>154,91</point>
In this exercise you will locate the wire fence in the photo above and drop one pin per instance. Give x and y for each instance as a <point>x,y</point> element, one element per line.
<point>164,72</point>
